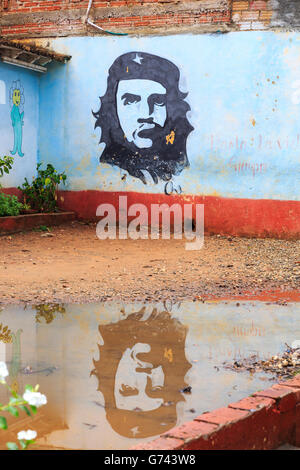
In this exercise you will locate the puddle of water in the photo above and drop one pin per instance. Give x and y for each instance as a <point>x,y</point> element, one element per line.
<point>114,374</point>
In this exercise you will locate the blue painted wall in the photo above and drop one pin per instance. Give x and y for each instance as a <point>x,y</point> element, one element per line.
<point>244,94</point>
<point>23,166</point>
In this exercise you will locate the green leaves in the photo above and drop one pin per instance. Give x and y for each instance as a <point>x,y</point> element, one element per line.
<point>33,409</point>
<point>24,408</point>
<point>15,399</point>
<point>40,194</point>
<point>14,394</point>
<point>25,444</point>
<point>12,410</point>
<point>23,403</point>
<point>3,423</point>
<point>6,164</point>
<point>42,228</point>
<point>16,403</point>
<point>9,205</point>
<point>12,446</point>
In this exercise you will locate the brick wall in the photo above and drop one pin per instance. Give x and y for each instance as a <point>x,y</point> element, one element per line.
<point>46,18</point>
<point>251,15</point>
<point>262,421</point>
<point>42,18</point>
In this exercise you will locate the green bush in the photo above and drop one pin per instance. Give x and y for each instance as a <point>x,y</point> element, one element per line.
<point>9,205</point>
<point>6,164</point>
<point>41,193</point>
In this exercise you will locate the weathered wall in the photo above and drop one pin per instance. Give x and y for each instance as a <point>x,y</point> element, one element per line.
<point>66,17</point>
<point>34,18</point>
<point>237,137</point>
<point>286,13</point>
<point>46,18</point>
<point>246,136</point>
<point>252,14</point>
<point>18,131</point>
<point>243,150</point>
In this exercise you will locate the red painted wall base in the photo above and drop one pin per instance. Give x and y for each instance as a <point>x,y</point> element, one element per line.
<point>226,216</point>
<point>20,223</point>
<point>238,217</point>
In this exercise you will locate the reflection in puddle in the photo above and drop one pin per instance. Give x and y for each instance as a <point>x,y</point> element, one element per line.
<point>116,375</point>
<point>141,370</point>
<point>47,312</point>
<point>5,334</point>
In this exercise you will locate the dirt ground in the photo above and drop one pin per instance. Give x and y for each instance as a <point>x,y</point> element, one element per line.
<point>73,265</point>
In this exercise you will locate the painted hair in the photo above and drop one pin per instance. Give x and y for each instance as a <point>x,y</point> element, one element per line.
<point>169,159</point>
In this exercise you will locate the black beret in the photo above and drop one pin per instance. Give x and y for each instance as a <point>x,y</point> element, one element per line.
<point>141,65</point>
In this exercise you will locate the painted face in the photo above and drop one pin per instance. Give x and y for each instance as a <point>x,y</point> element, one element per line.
<point>134,378</point>
<point>16,97</point>
<point>141,108</point>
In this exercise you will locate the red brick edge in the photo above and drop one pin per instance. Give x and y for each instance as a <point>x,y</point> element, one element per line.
<point>19,223</point>
<point>261,421</point>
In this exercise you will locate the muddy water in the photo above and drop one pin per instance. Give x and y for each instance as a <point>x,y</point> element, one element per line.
<point>115,374</point>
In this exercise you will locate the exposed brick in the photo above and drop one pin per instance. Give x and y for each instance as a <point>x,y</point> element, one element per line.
<point>295,382</point>
<point>275,392</point>
<point>262,421</point>
<point>259,430</point>
<point>295,391</point>
<point>191,431</point>
<point>237,16</point>
<point>239,6</point>
<point>257,25</point>
<point>250,15</point>
<point>285,397</point>
<point>117,4</point>
<point>162,443</point>
<point>246,25</point>
<point>265,15</point>
<point>258,5</point>
<point>70,21</point>
<point>253,403</point>
<point>222,416</point>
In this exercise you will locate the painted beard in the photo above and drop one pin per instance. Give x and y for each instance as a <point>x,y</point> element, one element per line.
<point>151,131</point>
<point>161,160</point>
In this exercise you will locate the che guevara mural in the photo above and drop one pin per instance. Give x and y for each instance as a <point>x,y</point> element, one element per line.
<point>143,119</point>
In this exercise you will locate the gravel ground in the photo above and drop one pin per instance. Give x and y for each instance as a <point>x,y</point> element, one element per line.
<point>72,265</point>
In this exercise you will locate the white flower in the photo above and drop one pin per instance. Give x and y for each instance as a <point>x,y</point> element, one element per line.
<point>35,398</point>
<point>3,371</point>
<point>28,435</point>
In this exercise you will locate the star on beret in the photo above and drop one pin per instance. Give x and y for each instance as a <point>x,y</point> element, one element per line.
<point>138,59</point>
